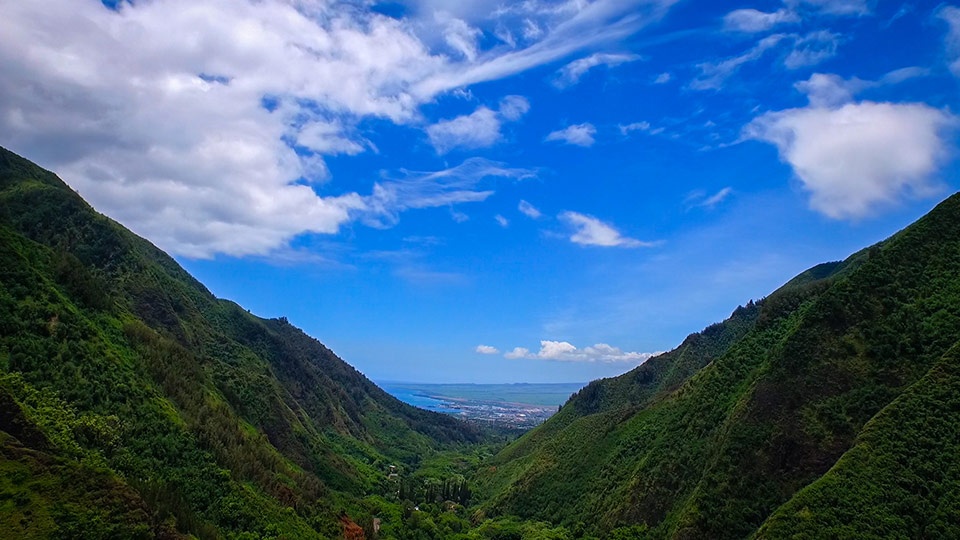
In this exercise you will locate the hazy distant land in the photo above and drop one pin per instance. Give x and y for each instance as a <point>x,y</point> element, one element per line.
<point>512,405</point>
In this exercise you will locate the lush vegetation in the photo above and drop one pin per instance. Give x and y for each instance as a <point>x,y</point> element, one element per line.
<point>134,404</point>
<point>740,423</point>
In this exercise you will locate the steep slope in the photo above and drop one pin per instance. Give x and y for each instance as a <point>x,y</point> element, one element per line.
<point>192,415</point>
<point>781,395</point>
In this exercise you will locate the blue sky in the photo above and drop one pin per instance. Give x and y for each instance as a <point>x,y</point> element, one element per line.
<point>488,191</point>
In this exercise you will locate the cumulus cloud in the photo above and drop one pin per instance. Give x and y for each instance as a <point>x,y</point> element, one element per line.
<point>570,74</point>
<point>951,15</point>
<point>487,349</point>
<point>477,130</point>
<point>590,231</point>
<point>578,134</point>
<point>480,129</point>
<point>563,351</point>
<point>829,90</point>
<point>753,21</point>
<point>204,125</point>
<point>512,108</point>
<point>529,210</point>
<point>857,157</point>
<point>517,352</point>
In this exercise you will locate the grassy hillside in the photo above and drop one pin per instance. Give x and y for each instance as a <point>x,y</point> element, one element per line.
<point>708,441</point>
<point>133,403</point>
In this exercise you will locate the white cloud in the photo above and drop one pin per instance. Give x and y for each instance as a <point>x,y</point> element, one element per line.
<point>590,231</point>
<point>860,156</point>
<point>829,90</point>
<point>753,21</point>
<point>626,129</point>
<point>487,349</point>
<point>512,108</point>
<point>662,78</point>
<point>570,74</point>
<point>563,351</point>
<point>703,200</point>
<point>529,210</point>
<point>572,26</point>
<point>459,35</point>
<point>479,129</point>
<point>327,137</point>
<point>837,7</point>
<point>951,15</point>
<point>416,189</point>
<point>578,134</point>
<point>811,49</point>
<point>177,117</point>
<point>517,352</point>
<point>713,75</point>
<point>502,221</point>
<point>807,50</point>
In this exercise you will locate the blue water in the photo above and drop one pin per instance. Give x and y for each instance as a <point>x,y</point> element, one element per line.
<point>416,398</point>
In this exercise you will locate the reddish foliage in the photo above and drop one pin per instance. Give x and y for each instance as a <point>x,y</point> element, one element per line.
<point>351,531</point>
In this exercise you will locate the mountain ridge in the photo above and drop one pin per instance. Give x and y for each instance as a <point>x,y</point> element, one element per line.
<point>772,399</point>
<point>114,355</point>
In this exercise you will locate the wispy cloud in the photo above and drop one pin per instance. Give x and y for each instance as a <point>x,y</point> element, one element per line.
<point>835,7</point>
<point>812,48</point>
<point>753,21</point>
<point>590,23</point>
<point>806,50</point>
<point>416,189</point>
<point>563,351</point>
<point>578,134</point>
<point>487,349</point>
<point>713,75</point>
<point>701,199</point>
<point>590,231</point>
<point>626,129</point>
<point>529,210</point>
<point>502,221</point>
<point>570,74</point>
<point>951,14</point>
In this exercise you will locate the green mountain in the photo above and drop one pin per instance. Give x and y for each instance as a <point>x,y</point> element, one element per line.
<point>135,404</point>
<point>830,409</point>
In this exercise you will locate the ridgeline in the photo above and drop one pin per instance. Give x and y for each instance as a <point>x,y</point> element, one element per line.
<point>135,404</point>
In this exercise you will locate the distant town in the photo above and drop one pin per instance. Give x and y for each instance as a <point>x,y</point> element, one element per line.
<point>511,406</point>
<point>510,415</point>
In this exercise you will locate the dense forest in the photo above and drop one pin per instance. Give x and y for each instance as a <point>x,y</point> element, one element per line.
<point>135,404</point>
<point>826,410</point>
